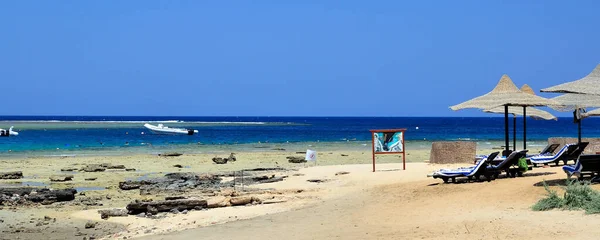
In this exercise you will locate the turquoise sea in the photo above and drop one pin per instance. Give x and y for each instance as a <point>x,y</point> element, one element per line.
<point>112,135</point>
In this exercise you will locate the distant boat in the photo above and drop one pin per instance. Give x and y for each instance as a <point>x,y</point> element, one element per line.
<point>9,132</point>
<point>161,129</point>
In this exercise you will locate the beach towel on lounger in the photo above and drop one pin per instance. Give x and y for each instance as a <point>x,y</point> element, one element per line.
<point>571,170</point>
<point>541,159</point>
<point>463,171</point>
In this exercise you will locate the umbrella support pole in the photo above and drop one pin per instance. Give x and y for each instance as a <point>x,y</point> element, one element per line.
<point>514,133</point>
<point>524,127</point>
<point>579,131</point>
<point>506,146</point>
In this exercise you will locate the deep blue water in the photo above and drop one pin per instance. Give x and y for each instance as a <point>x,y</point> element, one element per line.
<point>42,133</point>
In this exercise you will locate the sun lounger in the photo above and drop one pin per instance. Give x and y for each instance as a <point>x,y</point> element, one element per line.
<point>549,149</point>
<point>574,155</point>
<point>585,165</point>
<point>468,172</point>
<point>507,164</point>
<point>546,158</point>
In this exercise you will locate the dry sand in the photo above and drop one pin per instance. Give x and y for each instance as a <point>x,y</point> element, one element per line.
<point>405,205</point>
<point>388,204</point>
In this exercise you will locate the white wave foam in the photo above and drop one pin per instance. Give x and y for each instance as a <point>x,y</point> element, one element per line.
<point>141,122</point>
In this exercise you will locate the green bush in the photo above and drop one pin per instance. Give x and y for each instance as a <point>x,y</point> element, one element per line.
<point>551,201</point>
<point>577,196</point>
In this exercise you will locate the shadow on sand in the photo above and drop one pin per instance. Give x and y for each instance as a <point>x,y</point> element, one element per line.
<point>553,182</point>
<point>503,176</point>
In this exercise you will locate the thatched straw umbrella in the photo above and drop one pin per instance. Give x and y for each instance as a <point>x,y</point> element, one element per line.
<point>505,94</point>
<point>595,112</point>
<point>576,103</point>
<point>587,85</point>
<point>517,111</point>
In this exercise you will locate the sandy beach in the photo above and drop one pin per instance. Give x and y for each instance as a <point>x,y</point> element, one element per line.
<point>337,198</point>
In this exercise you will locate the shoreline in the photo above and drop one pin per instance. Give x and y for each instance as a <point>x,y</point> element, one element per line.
<point>245,147</point>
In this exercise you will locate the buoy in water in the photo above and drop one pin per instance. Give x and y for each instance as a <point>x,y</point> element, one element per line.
<point>417,128</point>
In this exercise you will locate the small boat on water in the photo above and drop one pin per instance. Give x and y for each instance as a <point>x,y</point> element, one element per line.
<point>7,133</point>
<point>161,129</point>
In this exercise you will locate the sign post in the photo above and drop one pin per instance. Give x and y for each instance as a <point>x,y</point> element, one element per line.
<point>388,141</point>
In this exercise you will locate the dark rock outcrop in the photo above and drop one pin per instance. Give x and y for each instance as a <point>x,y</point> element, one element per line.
<point>154,207</point>
<point>107,213</point>
<point>93,168</point>
<point>11,175</point>
<point>174,182</point>
<point>22,195</point>
<point>61,178</point>
<point>219,160</point>
<point>294,159</point>
<point>170,154</point>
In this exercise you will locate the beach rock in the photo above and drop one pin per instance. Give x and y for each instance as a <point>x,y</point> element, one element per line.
<point>173,183</point>
<point>318,180</point>
<point>344,155</point>
<point>111,166</point>
<point>273,201</point>
<point>231,157</point>
<point>268,179</point>
<point>175,197</point>
<point>129,185</point>
<point>116,212</point>
<point>341,173</point>
<point>178,166</point>
<point>68,169</point>
<point>90,224</point>
<point>130,169</point>
<point>219,160</point>
<point>170,154</point>
<point>93,168</point>
<point>91,179</point>
<point>47,196</point>
<point>154,207</point>
<point>61,178</point>
<point>11,175</point>
<point>279,149</point>
<point>264,169</point>
<point>293,159</point>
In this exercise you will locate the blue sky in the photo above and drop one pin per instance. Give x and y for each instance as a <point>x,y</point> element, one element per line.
<point>284,58</point>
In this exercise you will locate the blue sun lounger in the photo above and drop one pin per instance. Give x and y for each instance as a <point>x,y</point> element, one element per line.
<point>544,159</point>
<point>585,165</point>
<point>468,172</point>
<point>507,165</point>
<point>547,151</point>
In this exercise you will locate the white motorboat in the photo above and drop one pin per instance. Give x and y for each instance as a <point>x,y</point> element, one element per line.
<point>161,129</point>
<point>9,132</point>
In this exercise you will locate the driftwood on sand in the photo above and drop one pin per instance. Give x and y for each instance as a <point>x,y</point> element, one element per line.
<point>11,175</point>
